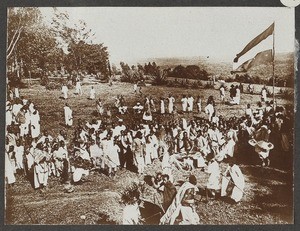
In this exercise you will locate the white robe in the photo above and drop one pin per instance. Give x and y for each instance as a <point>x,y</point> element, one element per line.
<point>209,109</point>
<point>171,104</point>
<point>238,179</point>
<point>214,177</point>
<point>68,116</point>
<point>9,171</point>
<point>92,94</point>
<point>35,125</point>
<point>184,102</point>
<point>64,90</point>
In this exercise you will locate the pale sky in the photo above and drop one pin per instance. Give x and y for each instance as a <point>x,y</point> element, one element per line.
<point>135,33</point>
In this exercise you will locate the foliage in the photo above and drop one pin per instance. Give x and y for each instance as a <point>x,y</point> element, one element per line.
<point>76,40</point>
<point>190,72</point>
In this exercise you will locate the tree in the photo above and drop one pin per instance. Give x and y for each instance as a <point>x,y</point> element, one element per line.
<point>76,39</point>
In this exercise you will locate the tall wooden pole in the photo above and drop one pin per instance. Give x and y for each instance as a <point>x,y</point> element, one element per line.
<point>273,66</point>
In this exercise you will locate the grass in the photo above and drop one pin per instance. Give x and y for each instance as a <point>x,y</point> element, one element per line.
<point>268,195</point>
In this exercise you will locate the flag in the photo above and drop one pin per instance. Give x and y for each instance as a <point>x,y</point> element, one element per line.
<point>255,41</point>
<point>263,57</point>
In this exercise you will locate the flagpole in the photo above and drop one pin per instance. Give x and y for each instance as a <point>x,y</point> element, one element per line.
<point>273,66</point>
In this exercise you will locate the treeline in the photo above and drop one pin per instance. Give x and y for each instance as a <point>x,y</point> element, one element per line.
<point>36,49</point>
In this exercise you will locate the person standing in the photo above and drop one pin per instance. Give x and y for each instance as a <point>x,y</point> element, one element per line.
<point>65,90</point>
<point>222,93</point>
<point>171,100</point>
<point>68,115</point>
<point>78,86</point>
<point>190,103</point>
<point>199,104</point>
<point>162,106</point>
<point>184,103</point>
<point>264,94</point>
<point>35,123</point>
<point>92,93</point>
<point>138,152</point>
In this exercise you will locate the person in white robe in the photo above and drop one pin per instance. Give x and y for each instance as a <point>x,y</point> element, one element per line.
<point>209,110</point>
<point>65,90</point>
<point>184,103</point>
<point>190,102</point>
<point>19,150</point>
<point>222,93</point>
<point>92,93</point>
<point>264,94</point>
<point>162,106</point>
<point>234,176</point>
<point>40,168</point>
<point>171,100</point>
<point>9,170</point>
<point>35,124</point>
<point>213,182</point>
<point>78,89</point>
<point>238,95</point>
<point>68,115</point>
<point>8,114</point>
<point>199,104</point>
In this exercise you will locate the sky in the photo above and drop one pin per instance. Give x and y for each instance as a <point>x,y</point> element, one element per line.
<point>137,33</point>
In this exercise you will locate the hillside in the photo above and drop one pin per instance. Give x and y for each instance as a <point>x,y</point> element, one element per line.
<point>284,65</point>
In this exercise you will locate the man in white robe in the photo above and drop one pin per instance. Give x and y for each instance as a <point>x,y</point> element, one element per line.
<point>64,90</point>
<point>68,115</point>
<point>233,175</point>
<point>35,124</point>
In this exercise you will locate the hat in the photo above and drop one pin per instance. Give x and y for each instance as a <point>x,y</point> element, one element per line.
<point>261,144</point>
<point>120,120</point>
<point>265,145</point>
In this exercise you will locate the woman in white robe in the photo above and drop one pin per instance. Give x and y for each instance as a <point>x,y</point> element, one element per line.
<point>68,115</point>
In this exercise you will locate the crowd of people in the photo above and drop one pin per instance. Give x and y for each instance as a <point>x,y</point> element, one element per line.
<point>110,143</point>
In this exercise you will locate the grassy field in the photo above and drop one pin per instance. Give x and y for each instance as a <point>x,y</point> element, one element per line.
<point>268,195</point>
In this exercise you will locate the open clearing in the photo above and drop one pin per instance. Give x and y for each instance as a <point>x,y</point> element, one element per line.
<point>268,197</point>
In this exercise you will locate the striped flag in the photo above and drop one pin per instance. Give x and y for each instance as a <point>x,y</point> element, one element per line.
<point>260,58</point>
<point>255,41</point>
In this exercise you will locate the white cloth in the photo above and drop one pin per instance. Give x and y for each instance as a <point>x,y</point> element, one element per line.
<point>92,94</point>
<point>236,175</point>
<point>214,177</point>
<point>209,109</point>
<point>68,116</point>
<point>131,214</point>
<point>35,125</point>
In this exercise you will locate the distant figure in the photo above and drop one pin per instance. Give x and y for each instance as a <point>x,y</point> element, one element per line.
<point>209,110</point>
<point>171,100</point>
<point>78,86</point>
<point>222,93</point>
<point>264,94</point>
<point>135,87</point>
<point>184,102</point>
<point>199,104</point>
<point>190,102</point>
<point>250,88</point>
<point>100,108</point>
<point>64,90</point>
<point>162,106</point>
<point>68,116</point>
<point>92,93</point>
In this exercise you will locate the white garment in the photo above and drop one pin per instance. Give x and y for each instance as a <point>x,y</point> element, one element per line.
<point>35,124</point>
<point>131,214</point>
<point>92,94</point>
<point>190,102</point>
<point>184,102</point>
<point>162,107</point>
<point>64,90</point>
<point>171,104</point>
<point>209,109</point>
<point>9,170</point>
<point>68,116</point>
<point>214,177</point>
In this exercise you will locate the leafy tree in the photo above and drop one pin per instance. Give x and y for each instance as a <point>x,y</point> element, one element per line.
<point>76,39</point>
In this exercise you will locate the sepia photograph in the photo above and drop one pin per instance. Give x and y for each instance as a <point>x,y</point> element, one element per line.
<point>150,115</point>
